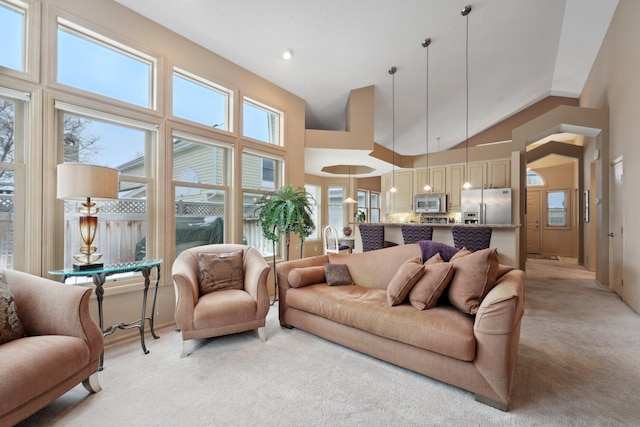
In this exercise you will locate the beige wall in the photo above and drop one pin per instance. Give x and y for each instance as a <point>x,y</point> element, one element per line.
<point>614,85</point>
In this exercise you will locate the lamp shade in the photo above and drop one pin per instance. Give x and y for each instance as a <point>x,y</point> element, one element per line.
<point>77,181</point>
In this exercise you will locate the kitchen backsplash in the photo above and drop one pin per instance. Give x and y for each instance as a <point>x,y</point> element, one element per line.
<point>411,217</point>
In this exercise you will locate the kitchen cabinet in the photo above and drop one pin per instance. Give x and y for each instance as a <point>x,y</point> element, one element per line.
<point>478,175</point>
<point>402,199</point>
<point>437,180</point>
<point>455,179</point>
<point>499,175</point>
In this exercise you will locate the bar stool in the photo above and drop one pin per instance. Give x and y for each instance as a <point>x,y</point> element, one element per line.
<point>415,233</point>
<point>472,238</point>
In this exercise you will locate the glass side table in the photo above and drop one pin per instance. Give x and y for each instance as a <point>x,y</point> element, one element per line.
<point>99,276</point>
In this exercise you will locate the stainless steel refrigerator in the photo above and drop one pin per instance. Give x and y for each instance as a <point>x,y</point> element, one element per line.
<point>490,206</point>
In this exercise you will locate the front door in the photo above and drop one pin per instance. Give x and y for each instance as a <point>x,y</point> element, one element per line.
<point>533,221</point>
<point>616,210</point>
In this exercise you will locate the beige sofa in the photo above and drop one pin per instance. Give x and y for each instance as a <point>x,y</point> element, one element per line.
<point>61,347</point>
<point>474,352</point>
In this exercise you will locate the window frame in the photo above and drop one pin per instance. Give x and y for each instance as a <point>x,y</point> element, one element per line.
<point>567,210</point>
<point>279,137</point>
<point>207,83</point>
<point>109,41</point>
<point>30,40</point>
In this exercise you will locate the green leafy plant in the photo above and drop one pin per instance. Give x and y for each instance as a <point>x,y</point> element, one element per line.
<point>360,216</point>
<point>286,211</point>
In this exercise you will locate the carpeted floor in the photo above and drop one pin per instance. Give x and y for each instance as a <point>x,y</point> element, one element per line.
<point>578,364</point>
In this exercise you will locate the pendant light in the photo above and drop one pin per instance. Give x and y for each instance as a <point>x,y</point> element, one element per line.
<point>427,187</point>
<point>349,199</point>
<point>467,185</point>
<point>392,71</point>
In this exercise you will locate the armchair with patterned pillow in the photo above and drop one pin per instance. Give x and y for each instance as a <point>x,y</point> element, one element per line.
<point>220,289</point>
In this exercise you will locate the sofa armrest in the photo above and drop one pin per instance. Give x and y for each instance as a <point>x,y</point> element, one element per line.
<point>47,307</point>
<point>497,332</point>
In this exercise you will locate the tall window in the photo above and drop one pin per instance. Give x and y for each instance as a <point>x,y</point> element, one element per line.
<point>363,202</point>
<point>200,101</point>
<point>557,208</point>
<point>375,207</point>
<point>335,207</point>
<point>254,186</point>
<point>12,185</point>
<point>200,177</point>
<point>12,28</point>
<point>89,137</point>
<point>261,122</point>
<point>96,64</point>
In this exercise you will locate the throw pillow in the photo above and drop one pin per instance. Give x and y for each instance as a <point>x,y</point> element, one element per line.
<point>429,288</point>
<point>303,276</point>
<point>429,248</point>
<point>461,253</point>
<point>220,271</point>
<point>407,275</point>
<point>474,276</point>
<point>10,325</point>
<point>337,274</point>
<point>436,259</point>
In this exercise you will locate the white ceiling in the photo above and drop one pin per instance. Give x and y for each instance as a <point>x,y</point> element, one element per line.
<point>520,51</point>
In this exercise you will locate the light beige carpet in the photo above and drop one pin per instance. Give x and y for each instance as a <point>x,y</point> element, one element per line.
<point>578,364</point>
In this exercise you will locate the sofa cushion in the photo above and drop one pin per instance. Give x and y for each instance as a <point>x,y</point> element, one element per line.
<point>429,248</point>
<point>219,271</point>
<point>474,276</point>
<point>429,288</point>
<point>303,276</point>
<point>337,274</point>
<point>443,329</point>
<point>10,325</point>
<point>406,276</point>
<point>461,253</point>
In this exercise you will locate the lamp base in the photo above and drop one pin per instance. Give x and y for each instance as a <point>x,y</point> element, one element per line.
<point>86,267</point>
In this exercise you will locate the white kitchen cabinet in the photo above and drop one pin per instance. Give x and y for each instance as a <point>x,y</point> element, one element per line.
<point>402,199</point>
<point>499,174</point>
<point>437,180</point>
<point>455,179</point>
<point>478,175</point>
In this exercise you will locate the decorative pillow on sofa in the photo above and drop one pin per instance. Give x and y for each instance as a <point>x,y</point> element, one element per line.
<point>474,276</point>
<point>407,275</point>
<point>337,274</point>
<point>10,325</point>
<point>462,252</point>
<point>429,248</point>
<point>429,288</point>
<point>220,271</point>
<point>436,259</point>
<point>303,276</point>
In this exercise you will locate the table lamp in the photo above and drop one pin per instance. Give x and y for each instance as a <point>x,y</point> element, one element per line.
<point>86,183</point>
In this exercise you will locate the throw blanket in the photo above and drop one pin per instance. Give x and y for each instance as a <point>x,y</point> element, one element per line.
<point>429,248</point>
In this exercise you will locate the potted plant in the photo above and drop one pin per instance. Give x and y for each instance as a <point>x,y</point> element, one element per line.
<point>360,216</point>
<point>282,212</point>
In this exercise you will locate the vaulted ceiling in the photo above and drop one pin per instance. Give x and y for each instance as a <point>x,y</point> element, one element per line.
<point>520,51</point>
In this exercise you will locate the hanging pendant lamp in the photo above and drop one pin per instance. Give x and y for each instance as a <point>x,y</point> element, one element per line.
<point>349,199</point>
<point>467,185</point>
<point>427,187</point>
<point>392,71</point>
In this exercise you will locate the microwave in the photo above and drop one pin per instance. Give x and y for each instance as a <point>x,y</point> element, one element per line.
<point>430,203</point>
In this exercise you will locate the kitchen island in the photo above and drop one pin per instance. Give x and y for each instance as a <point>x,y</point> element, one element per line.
<point>504,237</point>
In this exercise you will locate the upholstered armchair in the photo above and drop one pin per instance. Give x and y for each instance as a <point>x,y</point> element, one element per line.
<point>56,346</point>
<point>220,289</point>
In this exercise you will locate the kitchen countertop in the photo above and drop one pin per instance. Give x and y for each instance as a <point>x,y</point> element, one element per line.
<point>436,224</point>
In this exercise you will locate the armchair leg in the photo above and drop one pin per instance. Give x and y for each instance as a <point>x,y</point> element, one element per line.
<point>262,334</point>
<point>187,348</point>
<point>92,384</point>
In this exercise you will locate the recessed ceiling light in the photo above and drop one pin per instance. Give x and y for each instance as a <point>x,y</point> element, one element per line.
<point>287,54</point>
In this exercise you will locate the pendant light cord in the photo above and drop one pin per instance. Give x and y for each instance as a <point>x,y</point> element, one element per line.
<point>466,12</point>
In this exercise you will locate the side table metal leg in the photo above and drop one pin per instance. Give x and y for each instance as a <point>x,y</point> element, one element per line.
<point>145,273</point>
<point>153,305</point>
<point>98,280</point>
